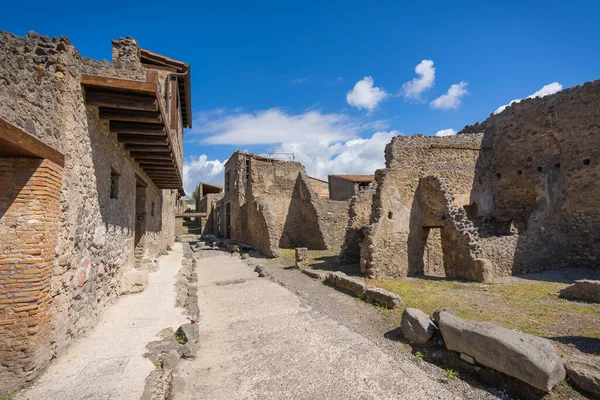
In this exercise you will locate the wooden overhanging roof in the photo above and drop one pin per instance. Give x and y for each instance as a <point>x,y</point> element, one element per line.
<point>136,115</point>
<point>207,188</point>
<point>156,61</point>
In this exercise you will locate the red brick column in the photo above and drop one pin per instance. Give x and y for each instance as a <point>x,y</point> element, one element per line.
<point>29,209</point>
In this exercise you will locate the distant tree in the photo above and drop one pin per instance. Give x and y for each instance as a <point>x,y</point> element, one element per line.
<point>194,194</point>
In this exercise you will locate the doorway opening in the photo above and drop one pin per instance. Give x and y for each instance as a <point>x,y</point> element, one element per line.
<point>140,220</point>
<point>433,254</point>
<point>228,221</point>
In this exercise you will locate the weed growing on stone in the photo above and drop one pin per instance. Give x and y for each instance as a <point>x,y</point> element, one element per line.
<point>180,339</point>
<point>450,374</point>
<point>419,357</point>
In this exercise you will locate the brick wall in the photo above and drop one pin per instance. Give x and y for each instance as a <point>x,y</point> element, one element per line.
<point>29,208</point>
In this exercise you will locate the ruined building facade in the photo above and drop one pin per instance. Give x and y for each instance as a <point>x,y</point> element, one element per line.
<point>417,224</point>
<point>90,172</point>
<point>206,202</point>
<point>515,194</point>
<point>539,172</point>
<point>271,204</point>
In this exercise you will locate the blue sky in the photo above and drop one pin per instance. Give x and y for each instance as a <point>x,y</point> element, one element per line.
<point>276,76</point>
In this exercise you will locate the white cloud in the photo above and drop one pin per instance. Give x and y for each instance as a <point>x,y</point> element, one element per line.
<point>201,169</point>
<point>445,132</point>
<point>450,100</point>
<point>354,156</point>
<point>548,89</point>
<point>424,81</point>
<point>273,126</point>
<point>324,143</point>
<point>365,95</point>
<point>300,80</point>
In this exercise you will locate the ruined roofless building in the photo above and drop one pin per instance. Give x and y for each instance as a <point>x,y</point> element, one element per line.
<point>417,216</point>
<point>271,204</point>
<point>206,200</point>
<point>515,194</point>
<point>90,171</point>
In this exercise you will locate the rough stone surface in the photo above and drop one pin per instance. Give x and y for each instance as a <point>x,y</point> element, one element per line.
<point>416,325</point>
<point>134,281</point>
<point>528,358</point>
<point>359,214</point>
<point>584,371</point>
<point>539,163</point>
<point>315,273</point>
<point>383,297</point>
<point>436,314</point>
<point>95,241</point>
<point>406,207</point>
<point>585,289</point>
<point>188,332</point>
<point>273,205</point>
<point>301,257</point>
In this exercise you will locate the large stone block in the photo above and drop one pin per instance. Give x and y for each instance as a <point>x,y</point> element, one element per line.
<point>383,297</point>
<point>585,372</point>
<point>585,289</point>
<point>134,281</point>
<point>416,325</point>
<point>528,358</point>
<point>351,285</point>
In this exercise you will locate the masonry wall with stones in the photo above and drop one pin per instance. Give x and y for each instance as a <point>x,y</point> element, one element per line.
<point>397,236</point>
<point>40,93</point>
<point>207,204</point>
<point>536,181</point>
<point>359,215</point>
<point>273,205</point>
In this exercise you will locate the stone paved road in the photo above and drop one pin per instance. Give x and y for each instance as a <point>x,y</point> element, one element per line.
<point>108,363</point>
<point>259,340</point>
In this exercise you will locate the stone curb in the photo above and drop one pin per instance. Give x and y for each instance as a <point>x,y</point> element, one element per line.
<point>356,287</point>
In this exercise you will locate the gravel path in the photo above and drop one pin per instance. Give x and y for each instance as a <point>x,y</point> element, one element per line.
<point>263,340</point>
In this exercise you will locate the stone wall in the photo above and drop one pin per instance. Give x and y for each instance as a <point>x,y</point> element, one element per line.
<point>359,215</point>
<point>273,205</point>
<point>40,93</point>
<point>207,205</point>
<point>394,241</point>
<point>342,189</point>
<point>539,171</point>
<point>321,188</point>
<point>29,211</point>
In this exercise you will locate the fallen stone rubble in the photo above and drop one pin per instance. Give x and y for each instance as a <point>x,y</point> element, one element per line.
<point>529,358</point>
<point>584,289</point>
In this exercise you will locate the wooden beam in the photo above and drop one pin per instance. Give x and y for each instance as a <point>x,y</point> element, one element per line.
<point>135,128</point>
<point>21,141</point>
<point>148,148</point>
<point>117,114</point>
<point>138,155</point>
<point>156,163</point>
<point>142,139</point>
<point>118,85</point>
<point>121,100</point>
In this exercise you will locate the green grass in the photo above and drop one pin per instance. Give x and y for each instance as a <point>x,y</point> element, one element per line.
<point>529,306</point>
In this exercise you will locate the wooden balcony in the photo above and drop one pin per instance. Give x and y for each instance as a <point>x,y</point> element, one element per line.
<point>136,115</point>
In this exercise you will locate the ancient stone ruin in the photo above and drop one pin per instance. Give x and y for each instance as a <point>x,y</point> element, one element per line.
<point>272,204</point>
<point>90,173</point>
